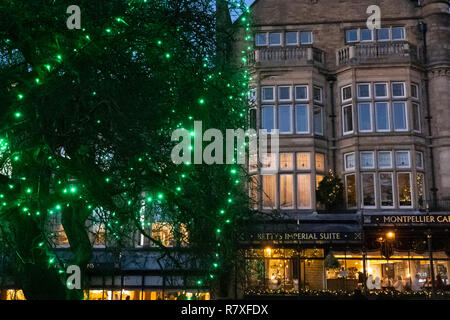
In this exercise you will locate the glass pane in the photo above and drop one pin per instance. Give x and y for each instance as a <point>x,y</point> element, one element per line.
<point>303,161</point>
<point>382,116</point>
<point>301,93</point>
<point>348,119</point>
<point>402,159</point>
<point>404,189</point>
<point>304,190</point>
<point>318,121</point>
<point>366,159</point>
<point>387,198</point>
<point>363,91</point>
<point>346,93</point>
<point>320,162</point>
<point>284,93</point>
<point>364,117</point>
<point>291,37</point>
<point>267,94</point>
<point>419,160</point>
<point>399,116</point>
<point>319,178</point>
<point>398,33</point>
<point>286,191</point>
<point>383,34</point>
<point>351,35</point>
<point>350,161</point>
<point>301,114</point>
<point>261,39</point>
<point>351,191</point>
<point>268,161</point>
<point>416,117</point>
<point>366,35</point>
<point>286,161</point>
<point>380,90</point>
<point>317,93</point>
<point>284,119</point>
<point>414,91</point>
<point>305,37</point>
<point>268,120</point>
<point>398,90</point>
<point>269,187</point>
<point>384,160</point>
<point>275,39</point>
<point>368,184</point>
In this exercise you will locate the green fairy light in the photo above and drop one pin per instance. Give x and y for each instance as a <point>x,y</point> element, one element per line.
<point>29,190</point>
<point>167,55</point>
<point>48,67</point>
<point>18,115</point>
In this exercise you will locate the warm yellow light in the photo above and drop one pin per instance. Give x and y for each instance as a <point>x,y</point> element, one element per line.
<point>390,235</point>
<point>268,251</point>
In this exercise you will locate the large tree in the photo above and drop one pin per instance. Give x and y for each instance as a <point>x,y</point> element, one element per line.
<point>86,120</point>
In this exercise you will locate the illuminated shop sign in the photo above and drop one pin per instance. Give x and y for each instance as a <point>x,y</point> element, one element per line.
<point>409,219</point>
<point>305,236</point>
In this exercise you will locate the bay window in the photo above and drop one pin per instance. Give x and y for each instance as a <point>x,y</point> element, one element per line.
<point>382,116</point>
<point>285,119</point>
<point>368,189</point>
<point>318,120</point>
<point>419,160</point>
<point>301,93</point>
<point>303,191</point>
<point>385,160</point>
<point>350,190</point>
<point>268,118</point>
<point>365,117</point>
<point>367,160</point>
<point>398,90</point>
<point>416,117</point>
<point>400,120</point>
<point>349,161</point>
<point>346,93</point>
<point>381,90</point>
<point>402,159</point>
<point>269,191</point>
<point>286,191</point>
<point>286,161</point>
<point>284,93</point>
<point>386,190</point>
<point>347,119</point>
<point>303,161</point>
<point>301,119</point>
<point>364,91</point>
<point>404,189</point>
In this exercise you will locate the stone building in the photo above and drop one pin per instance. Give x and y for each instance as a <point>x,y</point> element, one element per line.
<point>372,106</point>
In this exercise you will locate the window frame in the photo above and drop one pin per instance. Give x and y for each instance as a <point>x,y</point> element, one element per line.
<point>410,190</point>
<point>307,119</point>
<point>292,161</point>
<point>391,166</point>
<point>346,189</point>
<point>371,33</point>
<point>307,92</point>
<point>344,118</point>
<point>291,124</point>
<point>273,94</point>
<point>415,105</point>
<point>389,35</point>
<point>322,119</point>
<point>316,156</point>
<point>404,90</point>
<point>374,175</point>
<point>422,167</point>
<point>293,191</point>
<point>321,94</point>
<point>371,117</point>
<point>281,39</point>
<point>417,90</point>
<point>392,188</point>
<point>309,161</point>
<point>357,35</point>
<point>296,38</point>
<point>361,167</point>
<point>386,84</point>
<point>347,169</point>
<point>397,166</point>
<point>357,91</point>
<point>298,190</point>
<point>388,116</point>
<point>342,93</point>
<point>300,37</point>
<point>405,113</point>
<point>274,118</point>
<point>264,193</point>
<point>392,33</point>
<point>266,37</point>
<point>290,93</point>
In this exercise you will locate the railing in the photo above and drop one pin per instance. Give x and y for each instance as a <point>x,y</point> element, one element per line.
<point>360,52</point>
<point>286,55</point>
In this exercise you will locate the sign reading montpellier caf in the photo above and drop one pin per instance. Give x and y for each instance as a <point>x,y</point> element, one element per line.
<point>411,219</point>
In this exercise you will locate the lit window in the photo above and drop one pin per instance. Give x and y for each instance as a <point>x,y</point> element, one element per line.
<point>285,119</point>
<point>261,39</point>
<point>347,119</point>
<point>349,161</point>
<point>303,161</point>
<point>419,160</point>
<point>381,90</point>
<point>267,94</point>
<point>301,93</point>
<point>366,35</point>
<point>306,37</point>
<point>284,93</point>
<point>365,117</point>
<point>399,109</point>
<point>398,34</point>
<point>275,39</point>
<point>351,35</point>
<point>319,178</point>
<point>386,190</point>
<point>364,91</point>
<point>368,189</point>
<point>367,160</point>
<point>163,232</point>
<point>301,119</point>
<point>269,191</point>
<point>416,117</point>
<point>382,116</point>
<point>346,93</point>
<point>398,90</point>
<point>320,162</point>
<point>268,118</point>
<point>384,160</point>
<point>304,191</point>
<point>350,190</point>
<point>286,191</point>
<point>291,38</point>
<point>404,189</point>
<point>286,161</point>
<point>318,120</point>
<point>317,94</point>
<point>415,91</point>
<point>402,159</point>
<point>383,34</point>
<point>268,162</point>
